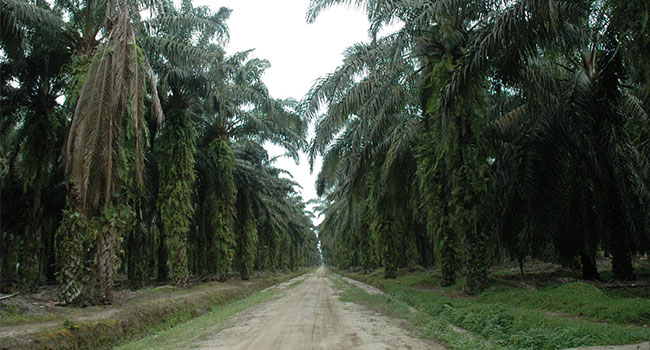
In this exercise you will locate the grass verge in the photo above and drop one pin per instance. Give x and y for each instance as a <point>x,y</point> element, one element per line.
<point>136,319</point>
<point>509,318</point>
<point>195,331</point>
<point>12,316</point>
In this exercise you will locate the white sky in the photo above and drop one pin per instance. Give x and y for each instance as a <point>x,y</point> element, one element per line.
<point>299,52</point>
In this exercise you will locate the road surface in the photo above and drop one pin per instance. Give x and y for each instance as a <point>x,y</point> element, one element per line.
<point>311,316</point>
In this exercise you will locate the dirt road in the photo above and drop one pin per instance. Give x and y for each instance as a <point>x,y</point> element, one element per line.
<point>311,316</point>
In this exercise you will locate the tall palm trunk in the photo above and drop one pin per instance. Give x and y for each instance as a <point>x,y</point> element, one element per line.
<point>274,250</point>
<point>471,181</point>
<point>610,138</point>
<point>589,268</point>
<point>31,265</point>
<point>176,186</point>
<point>619,240</point>
<point>366,246</point>
<point>72,245</point>
<point>106,263</point>
<point>136,249</point>
<point>113,89</point>
<point>204,240</point>
<point>162,255</point>
<point>386,228</point>
<point>222,196</point>
<point>247,235</point>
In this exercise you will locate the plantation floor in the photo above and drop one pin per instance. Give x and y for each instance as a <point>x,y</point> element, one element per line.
<point>34,322</point>
<point>307,315</point>
<point>548,309</point>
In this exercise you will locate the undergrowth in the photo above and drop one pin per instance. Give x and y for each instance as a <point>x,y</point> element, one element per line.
<point>12,315</point>
<point>559,316</point>
<point>198,329</point>
<point>152,313</point>
<point>192,332</point>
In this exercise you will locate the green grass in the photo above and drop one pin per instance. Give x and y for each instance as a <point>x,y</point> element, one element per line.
<point>420,324</point>
<point>577,298</point>
<point>202,328</point>
<point>516,318</point>
<point>12,315</point>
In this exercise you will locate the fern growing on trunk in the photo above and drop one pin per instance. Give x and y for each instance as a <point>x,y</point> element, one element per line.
<point>176,188</point>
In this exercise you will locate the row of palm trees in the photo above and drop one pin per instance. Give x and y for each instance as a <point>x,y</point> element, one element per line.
<point>163,172</point>
<point>481,129</point>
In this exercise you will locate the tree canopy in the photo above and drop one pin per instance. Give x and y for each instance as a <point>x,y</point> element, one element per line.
<point>481,130</point>
<point>163,172</point>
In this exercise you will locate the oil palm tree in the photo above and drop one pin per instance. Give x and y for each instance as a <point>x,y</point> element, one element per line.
<point>40,81</point>
<point>110,103</point>
<point>238,106</point>
<point>371,122</point>
<point>567,115</point>
<point>427,46</point>
<point>190,31</point>
<point>17,16</point>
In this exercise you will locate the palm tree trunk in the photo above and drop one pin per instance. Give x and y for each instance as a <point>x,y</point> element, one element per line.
<point>476,264</point>
<point>589,268</point>
<point>470,173</point>
<point>50,257</point>
<point>9,260</point>
<point>204,242</point>
<point>619,239</point>
<point>135,251</point>
<point>448,258</point>
<point>105,264</point>
<point>162,256</point>
<point>366,248</point>
<point>71,249</point>
<point>619,244</point>
<point>30,267</point>
<point>274,251</point>
<point>176,183</point>
<point>388,236</point>
<point>222,204</point>
<point>247,236</point>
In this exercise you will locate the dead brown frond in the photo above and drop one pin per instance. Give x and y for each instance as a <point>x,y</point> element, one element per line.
<point>114,89</point>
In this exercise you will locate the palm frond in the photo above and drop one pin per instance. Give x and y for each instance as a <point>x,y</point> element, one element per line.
<point>114,88</point>
<point>18,15</point>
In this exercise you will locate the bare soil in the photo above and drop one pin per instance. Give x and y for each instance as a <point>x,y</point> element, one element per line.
<point>369,289</point>
<point>311,316</point>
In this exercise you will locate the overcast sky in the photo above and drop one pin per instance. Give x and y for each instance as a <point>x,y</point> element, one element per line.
<point>299,52</point>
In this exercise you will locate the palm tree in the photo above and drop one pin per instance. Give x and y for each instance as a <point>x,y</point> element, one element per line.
<point>238,107</point>
<point>114,88</point>
<point>269,212</point>
<point>182,81</point>
<point>106,62</point>
<point>41,83</point>
<point>371,122</point>
<point>416,60</point>
<point>16,16</point>
<point>567,115</point>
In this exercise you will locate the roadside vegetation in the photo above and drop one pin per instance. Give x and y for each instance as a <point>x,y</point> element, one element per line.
<point>464,134</point>
<point>132,151</point>
<point>134,316</point>
<point>563,313</point>
<point>204,327</point>
<point>469,133</point>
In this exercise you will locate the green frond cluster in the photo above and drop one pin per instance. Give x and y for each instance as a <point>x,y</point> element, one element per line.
<point>481,129</point>
<point>163,173</point>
